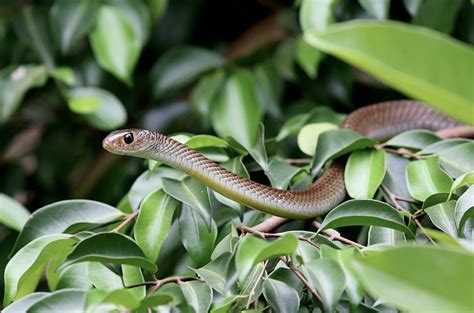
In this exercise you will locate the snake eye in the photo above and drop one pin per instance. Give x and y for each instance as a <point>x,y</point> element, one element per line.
<point>128,138</point>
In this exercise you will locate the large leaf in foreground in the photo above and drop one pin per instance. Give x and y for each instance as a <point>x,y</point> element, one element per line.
<point>12,213</point>
<point>66,300</point>
<point>365,212</point>
<point>110,248</point>
<point>25,268</point>
<point>440,278</point>
<point>67,215</point>
<point>401,55</point>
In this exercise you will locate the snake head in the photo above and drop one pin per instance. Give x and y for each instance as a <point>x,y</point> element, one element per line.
<point>133,142</point>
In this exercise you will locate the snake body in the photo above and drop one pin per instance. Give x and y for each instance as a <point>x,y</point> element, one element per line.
<point>377,121</point>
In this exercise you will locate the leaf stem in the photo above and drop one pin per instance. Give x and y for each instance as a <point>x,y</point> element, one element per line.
<point>125,222</point>
<point>303,279</point>
<point>251,230</point>
<point>333,236</point>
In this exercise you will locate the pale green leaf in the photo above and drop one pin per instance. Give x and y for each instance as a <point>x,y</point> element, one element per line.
<point>424,178</point>
<point>12,213</point>
<point>364,173</point>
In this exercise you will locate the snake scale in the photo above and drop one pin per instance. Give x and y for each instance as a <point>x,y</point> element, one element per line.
<point>377,121</point>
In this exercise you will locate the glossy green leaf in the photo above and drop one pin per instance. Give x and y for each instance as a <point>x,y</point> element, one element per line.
<point>238,101</point>
<point>25,268</point>
<point>441,278</point>
<point>464,208</point>
<point>102,277</point>
<point>198,238</point>
<point>438,15</point>
<point>398,54</point>
<point>414,139</point>
<point>442,216</point>
<point>64,74</point>
<point>154,223</point>
<point>269,87</point>
<point>337,142</point>
<point>354,290</point>
<point>466,179</point>
<point>215,273</point>
<point>198,295</point>
<point>424,178</point>
<point>180,66</point>
<point>74,276</point>
<point>139,17</point>
<point>442,145</point>
<point>457,160</point>
<point>66,300</point>
<point>22,305</point>
<point>292,126</point>
<point>69,215</point>
<point>395,177</point>
<point>12,213</point>
<point>110,248</point>
<point>365,212</point>
<point>14,83</point>
<point>71,20</point>
<point>150,181</point>
<point>253,250</point>
<point>376,8</point>
<point>132,275</point>
<point>205,141</point>
<point>204,93</point>
<point>364,173</point>
<point>115,44</point>
<point>97,300</point>
<point>309,134</point>
<point>281,173</point>
<point>224,305</point>
<point>384,235</point>
<point>98,106</point>
<point>327,277</point>
<point>191,192</point>
<point>281,297</point>
<point>316,14</point>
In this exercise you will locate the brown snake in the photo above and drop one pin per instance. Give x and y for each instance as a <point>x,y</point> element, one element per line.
<point>377,121</point>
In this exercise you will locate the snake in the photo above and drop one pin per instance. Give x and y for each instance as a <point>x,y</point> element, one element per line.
<point>378,121</point>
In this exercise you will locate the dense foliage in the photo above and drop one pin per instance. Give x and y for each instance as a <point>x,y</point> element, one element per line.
<point>260,87</point>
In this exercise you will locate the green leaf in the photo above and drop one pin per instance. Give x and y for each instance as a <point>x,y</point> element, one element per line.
<point>438,15</point>
<point>154,223</point>
<point>281,297</point>
<point>281,173</point>
<point>215,273</point>
<point>253,250</point>
<point>198,238</point>
<point>14,83</point>
<point>309,134</point>
<point>238,101</point>
<point>198,295</point>
<point>74,277</point>
<point>441,278</point>
<point>139,17</point>
<point>316,14</point>
<point>115,43</point>
<point>442,145</point>
<point>64,74</point>
<point>204,93</point>
<point>22,305</point>
<point>119,299</point>
<point>364,173</point>
<point>395,177</point>
<point>191,192</point>
<point>412,6</point>
<point>269,87</point>
<point>102,277</point>
<point>337,142</point>
<point>464,208</point>
<point>384,235</point>
<point>133,275</point>
<point>205,141</point>
<point>66,300</point>
<point>179,66</point>
<point>442,216</point>
<point>25,268</point>
<point>12,213</point>
<point>308,57</point>
<point>292,126</point>
<point>327,277</point>
<point>72,20</point>
<point>157,8</point>
<point>365,212</point>
<point>68,215</point>
<point>457,160</point>
<point>110,248</point>
<point>98,106</point>
<point>397,54</point>
<point>424,178</point>
<point>414,139</point>
<point>376,8</point>
<point>150,181</point>
<point>466,179</point>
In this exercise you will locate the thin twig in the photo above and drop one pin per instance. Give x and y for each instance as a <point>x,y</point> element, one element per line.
<point>334,236</point>
<point>302,278</point>
<point>173,279</point>
<point>251,230</point>
<point>125,222</point>
<point>401,151</point>
<point>297,161</point>
<point>269,224</point>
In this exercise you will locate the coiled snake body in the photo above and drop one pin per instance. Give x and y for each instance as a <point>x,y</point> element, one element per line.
<point>377,121</point>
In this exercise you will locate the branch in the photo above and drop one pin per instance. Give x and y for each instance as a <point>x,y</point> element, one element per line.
<point>333,236</point>
<point>125,222</point>
<point>269,224</point>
